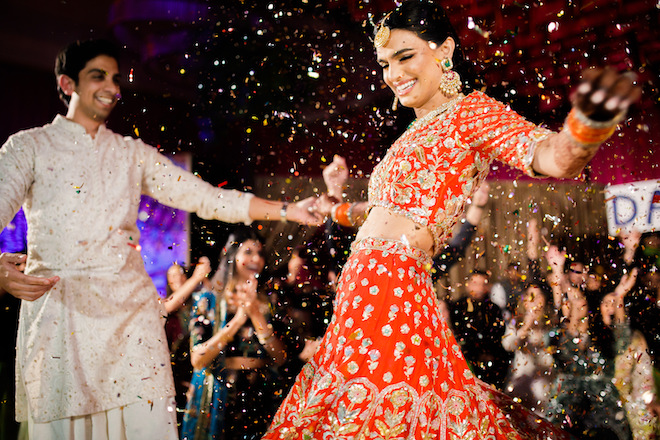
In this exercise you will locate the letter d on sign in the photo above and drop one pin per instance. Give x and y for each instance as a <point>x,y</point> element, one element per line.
<point>625,210</point>
<point>633,205</point>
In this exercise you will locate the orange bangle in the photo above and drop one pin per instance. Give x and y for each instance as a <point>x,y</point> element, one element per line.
<point>588,133</point>
<point>340,214</point>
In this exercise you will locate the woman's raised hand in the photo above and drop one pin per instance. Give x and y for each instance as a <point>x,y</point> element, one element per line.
<point>626,284</point>
<point>556,258</point>
<point>335,176</point>
<point>480,196</point>
<point>604,94</point>
<point>202,269</point>
<point>533,239</point>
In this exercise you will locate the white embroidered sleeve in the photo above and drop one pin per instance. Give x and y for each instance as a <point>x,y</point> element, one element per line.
<point>178,188</point>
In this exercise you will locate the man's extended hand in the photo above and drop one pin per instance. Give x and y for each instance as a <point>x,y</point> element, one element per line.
<point>304,212</point>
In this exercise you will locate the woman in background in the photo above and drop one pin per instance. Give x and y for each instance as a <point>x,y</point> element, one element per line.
<point>527,336</point>
<point>179,289</point>
<point>235,348</point>
<point>601,373</point>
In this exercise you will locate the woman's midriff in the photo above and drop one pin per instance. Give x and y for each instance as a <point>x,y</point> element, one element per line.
<point>382,223</point>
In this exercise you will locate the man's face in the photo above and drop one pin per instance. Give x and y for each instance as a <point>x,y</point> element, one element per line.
<point>175,276</point>
<point>97,90</point>
<point>478,287</point>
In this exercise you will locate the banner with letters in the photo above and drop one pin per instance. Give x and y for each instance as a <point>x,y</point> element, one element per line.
<point>633,205</point>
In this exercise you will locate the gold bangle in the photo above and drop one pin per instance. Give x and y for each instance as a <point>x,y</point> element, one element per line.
<point>264,340</point>
<point>333,211</point>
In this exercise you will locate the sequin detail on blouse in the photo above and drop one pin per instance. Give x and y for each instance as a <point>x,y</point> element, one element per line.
<point>431,171</point>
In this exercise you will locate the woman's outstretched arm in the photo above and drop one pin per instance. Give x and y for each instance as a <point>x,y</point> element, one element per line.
<point>599,104</point>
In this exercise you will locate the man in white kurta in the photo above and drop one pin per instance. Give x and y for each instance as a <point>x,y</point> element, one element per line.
<point>91,336</point>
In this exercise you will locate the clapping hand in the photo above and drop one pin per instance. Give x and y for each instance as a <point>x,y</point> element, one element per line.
<point>246,297</point>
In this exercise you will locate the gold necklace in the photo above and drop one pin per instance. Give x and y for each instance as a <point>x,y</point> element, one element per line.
<point>437,112</point>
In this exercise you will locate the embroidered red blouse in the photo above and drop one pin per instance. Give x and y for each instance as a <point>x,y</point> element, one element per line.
<point>431,171</point>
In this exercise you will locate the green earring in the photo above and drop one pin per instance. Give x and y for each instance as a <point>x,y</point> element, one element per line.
<point>447,64</point>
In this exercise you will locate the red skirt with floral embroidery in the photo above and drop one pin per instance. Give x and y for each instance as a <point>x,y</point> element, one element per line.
<point>389,367</point>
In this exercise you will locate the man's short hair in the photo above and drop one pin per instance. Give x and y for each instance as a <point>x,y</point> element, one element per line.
<point>72,60</point>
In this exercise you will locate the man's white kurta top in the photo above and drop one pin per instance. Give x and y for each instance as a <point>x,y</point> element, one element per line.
<point>96,340</point>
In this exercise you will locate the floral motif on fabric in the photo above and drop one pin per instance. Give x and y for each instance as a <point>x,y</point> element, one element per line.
<point>431,171</point>
<point>399,374</point>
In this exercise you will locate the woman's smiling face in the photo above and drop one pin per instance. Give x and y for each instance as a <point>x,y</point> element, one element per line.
<point>249,260</point>
<point>534,302</point>
<point>411,68</point>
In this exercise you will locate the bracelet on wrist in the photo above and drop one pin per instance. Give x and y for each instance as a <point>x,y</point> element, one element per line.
<point>339,214</point>
<point>333,211</point>
<point>263,340</point>
<point>349,214</point>
<point>586,132</point>
<point>283,209</point>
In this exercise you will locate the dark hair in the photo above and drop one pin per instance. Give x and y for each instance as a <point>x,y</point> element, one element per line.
<point>542,285</point>
<point>548,312</point>
<point>480,272</point>
<point>315,263</point>
<point>227,264</point>
<point>430,22</point>
<point>602,335</point>
<point>72,60</point>
<point>647,257</point>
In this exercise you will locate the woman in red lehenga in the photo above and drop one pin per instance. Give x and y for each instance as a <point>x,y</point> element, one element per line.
<point>388,366</point>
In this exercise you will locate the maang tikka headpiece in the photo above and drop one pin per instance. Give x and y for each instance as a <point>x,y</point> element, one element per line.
<point>383,34</point>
